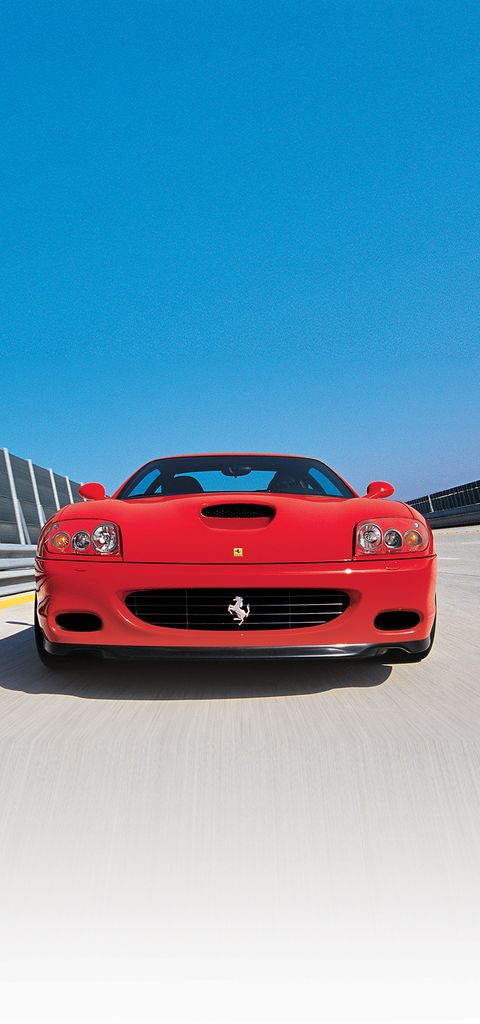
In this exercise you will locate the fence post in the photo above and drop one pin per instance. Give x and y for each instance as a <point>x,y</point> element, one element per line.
<point>15,501</point>
<point>24,525</point>
<point>69,489</point>
<point>40,512</point>
<point>54,489</point>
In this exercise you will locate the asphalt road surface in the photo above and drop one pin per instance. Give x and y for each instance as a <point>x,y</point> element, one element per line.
<point>294,815</point>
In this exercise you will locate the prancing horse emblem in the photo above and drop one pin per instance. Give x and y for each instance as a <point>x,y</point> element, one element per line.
<point>239,612</point>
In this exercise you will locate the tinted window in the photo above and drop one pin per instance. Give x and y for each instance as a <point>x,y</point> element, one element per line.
<point>209,474</point>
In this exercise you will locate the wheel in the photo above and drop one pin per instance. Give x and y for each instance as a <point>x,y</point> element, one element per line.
<point>51,661</point>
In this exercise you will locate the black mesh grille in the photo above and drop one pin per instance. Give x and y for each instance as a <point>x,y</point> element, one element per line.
<point>208,609</point>
<point>240,511</point>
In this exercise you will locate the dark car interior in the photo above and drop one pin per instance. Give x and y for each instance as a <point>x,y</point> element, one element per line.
<point>220,474</point>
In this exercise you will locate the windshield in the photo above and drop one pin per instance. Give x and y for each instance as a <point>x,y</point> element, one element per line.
<point>210,474</point>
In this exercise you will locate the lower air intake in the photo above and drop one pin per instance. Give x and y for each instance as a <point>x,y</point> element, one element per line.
<point>397,620</point>
<point>243,609</point>
<point>79,622</point>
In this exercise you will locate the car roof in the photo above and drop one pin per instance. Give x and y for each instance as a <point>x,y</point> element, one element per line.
<point>209,455</point>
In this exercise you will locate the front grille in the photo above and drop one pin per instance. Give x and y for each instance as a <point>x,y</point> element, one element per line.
<point>208,609</point>
<point>239,511</point>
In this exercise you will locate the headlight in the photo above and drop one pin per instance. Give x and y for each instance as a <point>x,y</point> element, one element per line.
<point>392,536</point>
<point>393,539</point>
<point>75,538</point>
<point>105,539</point>
<point>80,540</point>
<point>369,537</point>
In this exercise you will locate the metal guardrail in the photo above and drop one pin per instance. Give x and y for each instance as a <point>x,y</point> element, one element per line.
<point>457,506</point>
<point>16,568</point>
<point>467,516</point>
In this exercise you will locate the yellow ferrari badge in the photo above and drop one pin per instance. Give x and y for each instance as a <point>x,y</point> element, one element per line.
<point>238,552</point>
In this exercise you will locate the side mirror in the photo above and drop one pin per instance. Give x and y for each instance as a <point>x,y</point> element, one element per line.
<point>379,489</point>
<point>92,492</point>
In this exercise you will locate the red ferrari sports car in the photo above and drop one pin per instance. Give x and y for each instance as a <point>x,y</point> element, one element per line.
<point>235,556</point>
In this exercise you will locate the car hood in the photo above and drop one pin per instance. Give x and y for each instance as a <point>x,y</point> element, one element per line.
<point>295,528</point>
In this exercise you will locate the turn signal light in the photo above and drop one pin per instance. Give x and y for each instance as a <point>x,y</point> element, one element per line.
<point>413,539</point>
<point>60,541</point>
<point>390,537</point>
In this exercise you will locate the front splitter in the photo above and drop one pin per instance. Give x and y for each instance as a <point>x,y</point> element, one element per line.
<point>121,652</point>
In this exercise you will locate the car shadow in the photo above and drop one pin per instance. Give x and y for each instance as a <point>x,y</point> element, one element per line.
<point>95,679</point>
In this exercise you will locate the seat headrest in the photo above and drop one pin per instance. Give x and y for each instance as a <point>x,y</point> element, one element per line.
<point>287,484</point>
<point>185,485</point>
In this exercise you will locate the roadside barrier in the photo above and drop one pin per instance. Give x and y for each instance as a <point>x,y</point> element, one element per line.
<point>16,568</point>
<point>458,506</point>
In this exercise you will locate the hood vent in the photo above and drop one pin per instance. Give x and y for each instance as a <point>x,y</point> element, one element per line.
<point>238,510</point>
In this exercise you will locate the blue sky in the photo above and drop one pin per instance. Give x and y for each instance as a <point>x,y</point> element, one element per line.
<point>233,226</point>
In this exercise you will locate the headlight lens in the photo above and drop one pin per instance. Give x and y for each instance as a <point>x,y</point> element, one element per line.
<point>392,539</point>
<point>369,537</point>
<point>81,540</point>
<point>105,539</point>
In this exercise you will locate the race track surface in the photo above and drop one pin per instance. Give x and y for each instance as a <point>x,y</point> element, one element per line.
<point>300,812</point>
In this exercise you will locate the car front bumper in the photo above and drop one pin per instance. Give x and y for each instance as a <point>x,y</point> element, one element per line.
<point>101,587</point>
